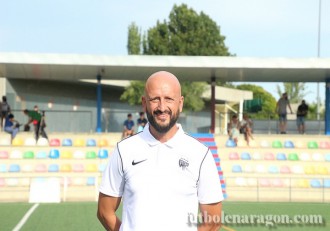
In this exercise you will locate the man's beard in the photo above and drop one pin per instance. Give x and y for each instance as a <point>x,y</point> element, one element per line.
<point>162,128</point>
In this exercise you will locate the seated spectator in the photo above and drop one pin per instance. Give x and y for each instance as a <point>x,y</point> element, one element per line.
<point>128,126</point>
<point>11,126</point>
<point>246,128</point>
<point>233,128</point>
<point>141,122</point>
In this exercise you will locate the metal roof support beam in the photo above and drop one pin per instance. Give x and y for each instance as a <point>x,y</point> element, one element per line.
<point>213,84</point>
<point>327,107</point>
<point>99,103</point>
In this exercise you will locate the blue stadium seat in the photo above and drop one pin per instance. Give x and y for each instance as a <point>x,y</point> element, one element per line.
<point>90,181</point>
<point>91,143</point>
<point>3,168</point>
<point>67,142</point>
<point>326,183</point>
<point>273,169</point>
<point>103,154</point>
<point>53,168</point>
<point>281,156</point>
<point>14,168</point>
<point>236,168</point>
<point>41,155</point>
<point>245,156</point>
<point>54,154</point>
<point>327,157</point>
<point>315,183</point>
<point>288,144</point>
<point>230,143</point>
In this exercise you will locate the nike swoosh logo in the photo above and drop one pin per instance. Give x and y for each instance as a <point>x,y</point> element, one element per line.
<point>134,163</point>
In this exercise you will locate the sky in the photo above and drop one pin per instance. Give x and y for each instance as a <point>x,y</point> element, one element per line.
<point>253,28</point>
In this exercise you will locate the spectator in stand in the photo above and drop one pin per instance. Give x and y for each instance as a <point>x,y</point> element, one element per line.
<point>128,126</point>
<point>233,128</point>
<point>301,115</point>
<point>281,110</point>
<point>246,128</point>
<point>5,110</point>
<point>35,117</point>
<point>11,126</point>
<point>141,122</point>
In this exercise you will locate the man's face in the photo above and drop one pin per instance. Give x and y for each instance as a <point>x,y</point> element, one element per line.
<point>163,106</point>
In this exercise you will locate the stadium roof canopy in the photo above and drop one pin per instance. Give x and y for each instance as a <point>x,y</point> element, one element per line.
<point>71,67</point>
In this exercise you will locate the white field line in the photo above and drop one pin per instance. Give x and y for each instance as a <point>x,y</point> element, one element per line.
<point>25,218</point>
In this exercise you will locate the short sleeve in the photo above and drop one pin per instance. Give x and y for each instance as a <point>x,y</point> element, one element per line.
<point>209,186</point>
<point>113,181</point>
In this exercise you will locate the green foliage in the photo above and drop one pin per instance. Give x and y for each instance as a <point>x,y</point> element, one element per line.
<point>186,33</point>
<point>268,101</point>
<point>134,40</point>
<point>133,93</point>
<point>296,91</point>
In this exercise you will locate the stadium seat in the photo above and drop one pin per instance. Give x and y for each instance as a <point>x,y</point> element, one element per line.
<point>277,182</point>
<point>91,155</point>
<point>16,154</point>
<point>305,156</point>
<point>25,181</point>
<point>230,143</point>
<point>103,143</point>
<point>280,156</point>
<point>236,168</point>
<point>312,145</point>
<point>3,168</point>
<point>91,168</point>
<point>53,168</point>
<point>78,168</point>
<point>248,168</point>
<point>325,144</point>
<point>28,155</point>
<point>79,142</point>
<point>241,143</point>
<point>253,144</point>
<point>42,142</point>
<point>77,181</point>
<point>326,183</point>
<point>233,156</point>
<point>317,157</point>
<point>4,155</point>
<point>14,168</point>
<point>91,142</point>
<point>269,156</point>
<point>90,181</point>
<point>285,170</point>
<point>41,155</point>
<point>288,144</point>
<point>252,182</point>
<point>40,168</point>
<point>277,144</point>
<point>327,157</point>
<point>297,169</point>
<point>102,167</point>
<point>273,169</point>
<point>103,154</point>
<point>65,168</point>
<point>315,183</point>
<point>54,154</point>
<point>303,183</point>
<point>2,182</point>
<point>27,168</point>
<point>5,141</point>
<point>300,144</point>
<point>293,157</point>
<point>55,142</point>
<point>17,141</point>
<point>260,168</point>
<point>264,144</point>
<point>264,182</point>
<point>245,156</point>
<point>30,141</point>
<point>66,142</point>
<point>240,181</point>
<point>256,156</point>
<point>78,154</point>
<point>66,154</point>
<point>310,170</point>
<point>321,170</point>
<point>12,182</point>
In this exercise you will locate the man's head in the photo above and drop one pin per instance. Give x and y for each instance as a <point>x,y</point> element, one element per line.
<point>129,116</point>
<point>162,101</point>
<point>25,111</point>
<point>141,114</point>
<point>303,102</point>
<point>285,95</point>
<point>35,108</point>
<point>10,116</point>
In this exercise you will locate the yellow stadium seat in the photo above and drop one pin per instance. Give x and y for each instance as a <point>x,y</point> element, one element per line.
<point>309,170</point>
<point>91,168</point>
<point>103,143</point>
<point>66,154</point>
<point>79,142</point>
<point>17,141</point>
<point>303,183</point>
<point>65,168</point>
<point>322,170</point>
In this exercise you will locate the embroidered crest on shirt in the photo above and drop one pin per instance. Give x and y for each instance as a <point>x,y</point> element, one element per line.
<point>183,163</point>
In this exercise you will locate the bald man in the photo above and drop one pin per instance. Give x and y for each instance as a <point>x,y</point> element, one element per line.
<point>163,175</point>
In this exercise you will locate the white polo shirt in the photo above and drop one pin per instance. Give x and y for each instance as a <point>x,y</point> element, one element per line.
<point>161,183</point>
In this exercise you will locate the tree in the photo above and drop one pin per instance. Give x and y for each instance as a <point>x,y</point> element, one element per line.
<point>186,33</point>
<point>296,91</point>
<point>268,101</point>
<point>134,40</point>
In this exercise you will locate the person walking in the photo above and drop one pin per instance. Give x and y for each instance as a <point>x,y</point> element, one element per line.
<point>5,110</point>
<point>301,115</point>
<point>281,110</point>
<point>164,175</point>
<point>35,117</point>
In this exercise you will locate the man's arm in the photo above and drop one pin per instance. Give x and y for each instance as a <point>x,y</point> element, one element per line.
<point>106,213</point>
<point>211,217</point>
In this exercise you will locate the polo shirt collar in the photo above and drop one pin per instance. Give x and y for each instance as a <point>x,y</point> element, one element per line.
<point>175,140</point>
